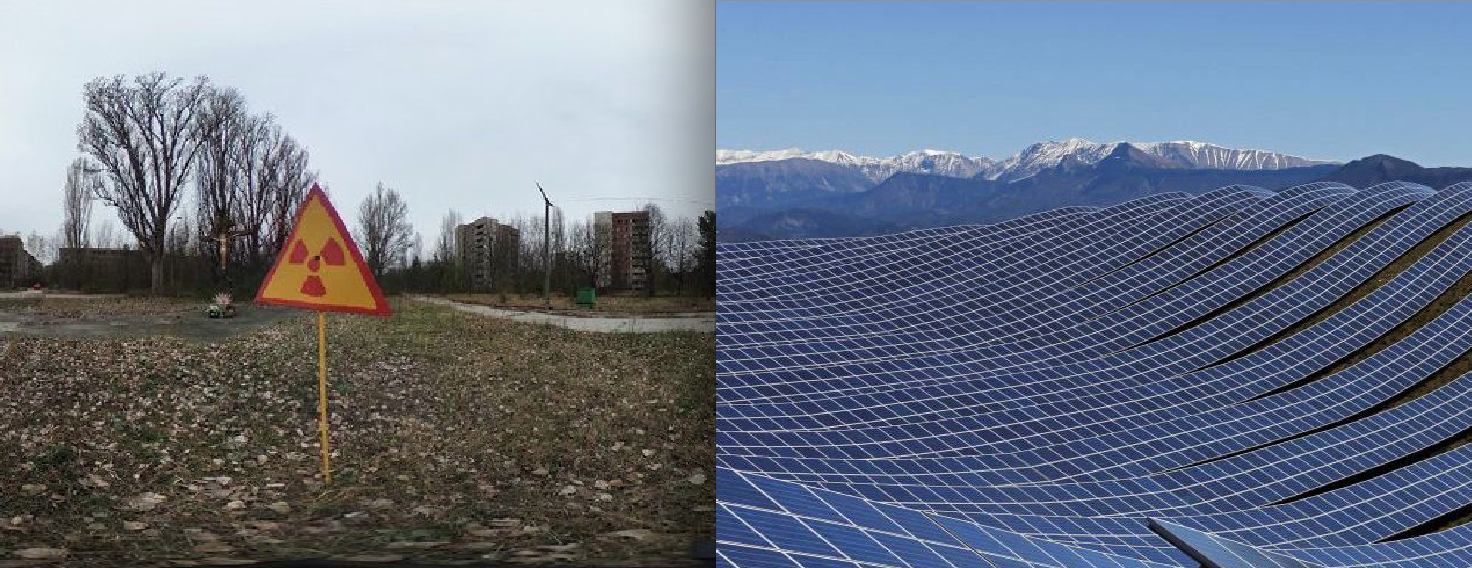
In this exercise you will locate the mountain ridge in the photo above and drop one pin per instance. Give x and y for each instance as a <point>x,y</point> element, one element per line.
<point>794,194</point>
<point>908,201</point>
<point>1380,168</point>
<point>1028,161</point>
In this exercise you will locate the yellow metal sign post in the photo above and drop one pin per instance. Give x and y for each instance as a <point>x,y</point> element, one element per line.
<point>320,268</point>
<point>322,395</point>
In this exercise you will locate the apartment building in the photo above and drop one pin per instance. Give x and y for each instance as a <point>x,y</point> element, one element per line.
<point>18,268</point>
<point>487,250</point>
<point>623,239</point>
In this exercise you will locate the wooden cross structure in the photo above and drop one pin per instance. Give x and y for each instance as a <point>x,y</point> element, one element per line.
<point>222,237</point>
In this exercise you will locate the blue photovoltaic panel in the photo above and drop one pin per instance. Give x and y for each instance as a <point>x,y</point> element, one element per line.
<point>1231,484</point>
<point>1115,289</point>
<point>1137,385</point>
<point>931,402</point>
<point>1167,442</point>
<point>1025,301</point>
<point>1215,552</point>
<point>1091,339</point>
<point>1352,262</point>
<point>930,273</point>
<point>1012,259</point>
<point>766,518</point>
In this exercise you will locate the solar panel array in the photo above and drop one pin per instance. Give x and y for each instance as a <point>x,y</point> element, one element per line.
<point>1239,378</point>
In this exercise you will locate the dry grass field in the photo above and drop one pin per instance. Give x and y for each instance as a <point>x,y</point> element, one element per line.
<point>454,438</point>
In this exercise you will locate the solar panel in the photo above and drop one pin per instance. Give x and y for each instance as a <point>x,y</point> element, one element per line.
<point>1042,240</point>
<point>1149,355</point>
<point>920,333</point>
<point>1098,337</point>
<point>1407,293</point>
<point>1355,388</point>
<point>1216,552</point>
<point>749,283</point>
<point>761,521</point>
<point>1133,386</point>
<point>739,262</point>
<point>921,268</point>
<point>1451,548</point>
<point>1231,484</point>
<point>948,280</point>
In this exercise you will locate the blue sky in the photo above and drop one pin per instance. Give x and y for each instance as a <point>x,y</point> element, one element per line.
<point>1324,80</point>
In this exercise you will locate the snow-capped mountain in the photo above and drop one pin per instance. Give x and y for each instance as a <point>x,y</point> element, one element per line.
<point>938,162</point>
<point>1180,153</point>
<point>1209,156</point>
<point>934,162</point>
<point>1036,157</point>
<point>740,156</point>
<point>1031,160</point>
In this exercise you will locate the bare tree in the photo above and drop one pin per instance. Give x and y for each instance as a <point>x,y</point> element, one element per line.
<point>104,235</point>
<point>76,202</point>
<point>383,228</point>
<point>285,179</point>
<point>414,252</point>
<point>445,250</point>
<point>226,134</point>
<point>251,177</point>
<point>223,124</point>
<point>658,245</point>
<point>706,270</point>
<point>258,159</point>
<point>559,250</point>
<point>182,238</point>
<point>532,253</point>
<point>525,271</point>
<point>558,231</point>
<point>44,249</point>
<point>577,250</point>
<point>589,247</point>
<point>143,134</point>
<point>682,250</point>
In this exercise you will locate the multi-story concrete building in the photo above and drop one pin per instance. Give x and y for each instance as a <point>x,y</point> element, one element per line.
<point>487,251</point>
<point>17,267</point>
<point>623,241</point>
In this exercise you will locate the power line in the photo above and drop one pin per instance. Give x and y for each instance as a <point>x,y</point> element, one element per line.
<point>682,200</point>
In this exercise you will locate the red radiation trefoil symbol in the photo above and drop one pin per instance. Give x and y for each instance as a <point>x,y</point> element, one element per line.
<point>331,255</point>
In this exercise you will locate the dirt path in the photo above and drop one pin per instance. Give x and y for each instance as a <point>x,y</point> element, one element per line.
<point>704,323</point>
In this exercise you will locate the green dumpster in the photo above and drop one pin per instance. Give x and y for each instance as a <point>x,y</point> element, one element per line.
<point>586,296</point>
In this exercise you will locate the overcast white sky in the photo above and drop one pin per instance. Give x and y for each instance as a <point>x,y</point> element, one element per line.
<point>455,104</point>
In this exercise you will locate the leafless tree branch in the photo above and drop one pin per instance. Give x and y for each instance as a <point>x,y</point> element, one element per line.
<point>144,135</point>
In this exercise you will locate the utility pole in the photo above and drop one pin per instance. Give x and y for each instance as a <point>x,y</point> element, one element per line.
<point>546,248</point>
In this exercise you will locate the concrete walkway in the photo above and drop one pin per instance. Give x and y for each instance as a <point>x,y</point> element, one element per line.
<point>704,323</point>
<point>187,324</point>
<point>41,294</point>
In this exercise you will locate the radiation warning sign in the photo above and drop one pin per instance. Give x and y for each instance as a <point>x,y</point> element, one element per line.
<point>320,267</point>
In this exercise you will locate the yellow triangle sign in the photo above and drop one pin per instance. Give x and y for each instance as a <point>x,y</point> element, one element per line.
<point>320,268</point>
